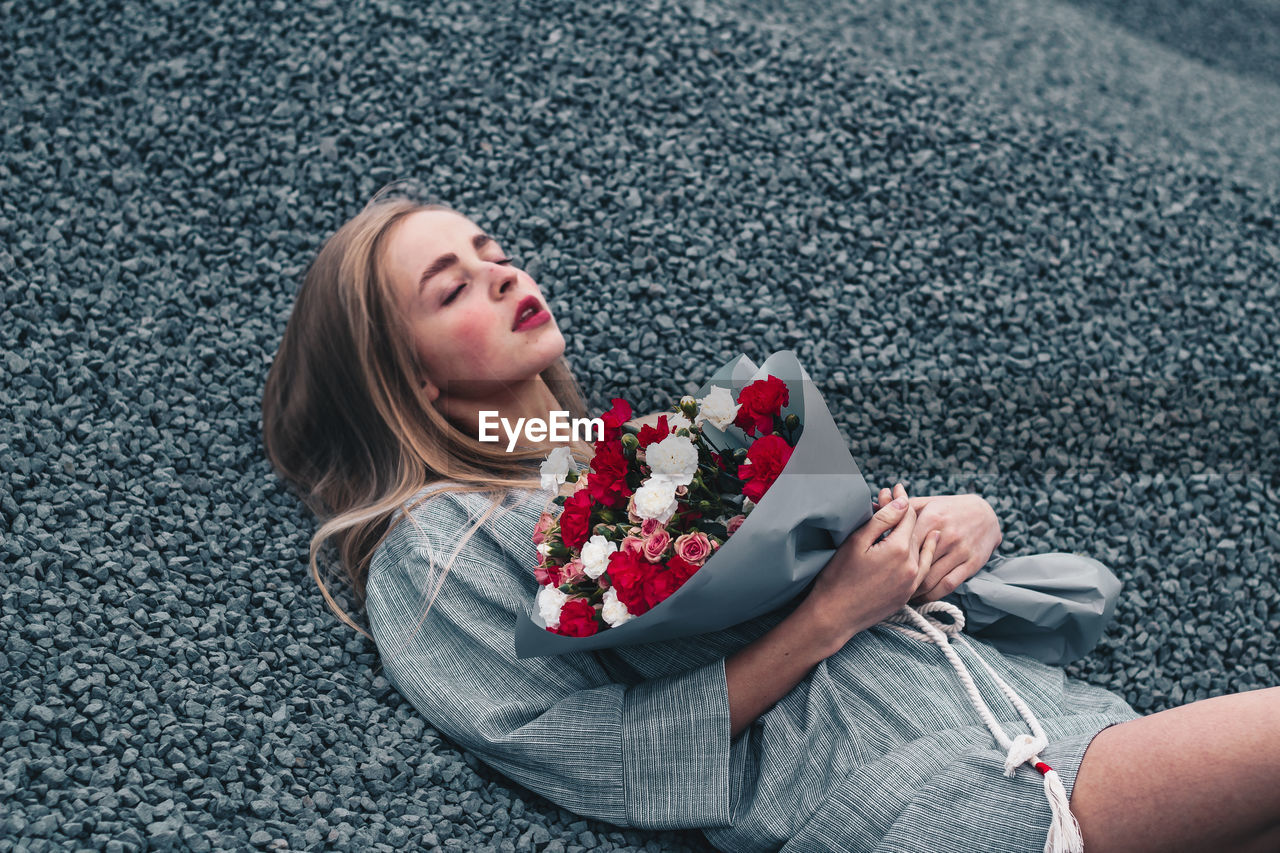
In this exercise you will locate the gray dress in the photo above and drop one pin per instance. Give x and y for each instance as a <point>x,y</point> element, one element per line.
<point>877,749</point>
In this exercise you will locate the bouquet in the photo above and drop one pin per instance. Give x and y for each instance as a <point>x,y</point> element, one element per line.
<point>690,500</point>
<point>730,507</point>
<point>723,512</point>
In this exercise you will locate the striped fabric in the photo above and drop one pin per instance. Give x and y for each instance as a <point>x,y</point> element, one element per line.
<point>878,749</point>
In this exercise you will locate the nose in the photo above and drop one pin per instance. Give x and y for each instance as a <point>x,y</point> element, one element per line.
<point>504,282</point>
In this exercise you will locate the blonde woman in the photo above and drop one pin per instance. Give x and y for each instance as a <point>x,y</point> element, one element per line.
<point>812,728</point>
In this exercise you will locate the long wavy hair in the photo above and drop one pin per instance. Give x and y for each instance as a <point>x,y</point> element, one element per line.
<point>346,424</point>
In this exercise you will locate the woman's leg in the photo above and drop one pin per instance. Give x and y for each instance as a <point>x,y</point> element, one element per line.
<point>1202,776</point>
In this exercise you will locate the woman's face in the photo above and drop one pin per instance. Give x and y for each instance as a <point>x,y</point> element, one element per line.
<point>460,298</point>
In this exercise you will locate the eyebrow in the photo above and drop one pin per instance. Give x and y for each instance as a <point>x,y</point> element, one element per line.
<point>445,261</point>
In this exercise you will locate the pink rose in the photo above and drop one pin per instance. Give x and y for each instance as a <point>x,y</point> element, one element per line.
<point>734,523</point>
<point>631,511</point>
<point>545,522</point>
<point>572,571</point>
<point>632,545</point>
<point>650,526</point>
<point>682,490</point>
<point>693,548</point>
<point>547,574</point>
<point>656,545</point>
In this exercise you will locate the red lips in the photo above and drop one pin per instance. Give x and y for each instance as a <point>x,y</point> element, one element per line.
<point>529,302</point>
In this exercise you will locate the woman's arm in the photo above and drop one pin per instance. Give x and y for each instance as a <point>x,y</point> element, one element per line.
<point>653,755</point>
<point>764,671</point>
<point>865,580</point>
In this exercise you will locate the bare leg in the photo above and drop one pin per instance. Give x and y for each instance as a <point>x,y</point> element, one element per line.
<point>1202,776</point>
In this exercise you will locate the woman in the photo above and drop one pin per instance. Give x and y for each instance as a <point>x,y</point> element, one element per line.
<point>811,728</point>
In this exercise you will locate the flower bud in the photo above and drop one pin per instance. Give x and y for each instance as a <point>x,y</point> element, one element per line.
<point>630,441</point>
<point>792,422</point>
<point>689,407</point>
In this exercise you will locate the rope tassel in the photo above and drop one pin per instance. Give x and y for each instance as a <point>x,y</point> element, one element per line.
<point>1064,830</point>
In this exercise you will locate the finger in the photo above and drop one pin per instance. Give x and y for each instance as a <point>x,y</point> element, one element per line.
<point>899,491</point>
<point>926,554</point>
<point>944,565</point>
<point>885,497</point>
<point>933,574</point>
<point>886,518</point>
<point>946,562</point>
<point>929,552</point>
<point>903,534</point>
<point>949,583</point>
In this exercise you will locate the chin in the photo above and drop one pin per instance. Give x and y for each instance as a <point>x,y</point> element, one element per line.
<point>553,346</point>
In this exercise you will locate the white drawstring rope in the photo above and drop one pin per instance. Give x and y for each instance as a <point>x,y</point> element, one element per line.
<point>1064,831</point>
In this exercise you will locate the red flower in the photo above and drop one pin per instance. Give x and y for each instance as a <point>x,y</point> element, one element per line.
<point>648,435</point>
<point>548,574</point>
<point>608,482</point>
<point>681,567</point>
<point>575,520</point>
<point>766,458</point>
<point>759,403</point>
<point>616,417</point>
<point>628,573</point>
<point>660,585</point>
<point>577,619</point>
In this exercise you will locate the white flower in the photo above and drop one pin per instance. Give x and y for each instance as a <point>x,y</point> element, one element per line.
<point>656,498</point>
<point>747,505</point>
<point>595,555</point>
<point>717,407</point>
<point>550,600</point>
<point>674,459</point>
<point>677,420</point>
<point>555,469</point>
<point>614,611</point>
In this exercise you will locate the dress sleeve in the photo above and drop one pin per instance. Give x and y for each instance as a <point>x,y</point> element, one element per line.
<point>653,755</point>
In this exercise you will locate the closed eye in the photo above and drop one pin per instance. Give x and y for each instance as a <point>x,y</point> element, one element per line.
<point>458,289</point>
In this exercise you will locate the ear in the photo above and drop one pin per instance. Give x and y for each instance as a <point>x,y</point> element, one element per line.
<point>429,387</point>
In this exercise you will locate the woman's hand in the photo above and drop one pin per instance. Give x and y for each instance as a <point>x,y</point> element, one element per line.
<point>969,532</point>
<point>869,578</point>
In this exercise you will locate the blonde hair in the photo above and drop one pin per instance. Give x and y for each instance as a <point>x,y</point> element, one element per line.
<point>346,424</point>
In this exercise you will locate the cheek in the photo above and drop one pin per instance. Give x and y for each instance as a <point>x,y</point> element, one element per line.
<point>470,334</point>
<point>467,325</point>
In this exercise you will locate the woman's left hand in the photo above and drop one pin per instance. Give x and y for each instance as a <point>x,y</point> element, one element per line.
<point>969,532</point>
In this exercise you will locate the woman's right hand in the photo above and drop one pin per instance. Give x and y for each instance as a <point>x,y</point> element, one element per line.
<point>867,580</point>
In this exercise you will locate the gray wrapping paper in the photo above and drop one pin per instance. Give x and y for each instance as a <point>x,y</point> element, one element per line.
<point>1052,606</point>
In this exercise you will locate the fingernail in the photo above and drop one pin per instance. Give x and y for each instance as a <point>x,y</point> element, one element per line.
<point>900,503</point>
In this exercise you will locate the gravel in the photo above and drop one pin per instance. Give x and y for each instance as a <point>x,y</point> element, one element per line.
<point>1007,280</point>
